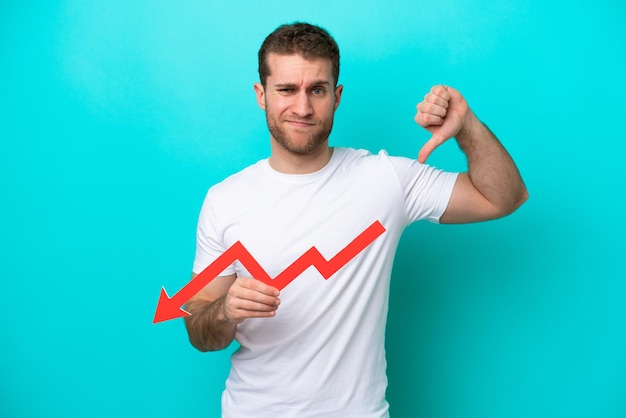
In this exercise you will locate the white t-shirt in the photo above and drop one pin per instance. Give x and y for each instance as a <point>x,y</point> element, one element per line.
<point>323,354</point>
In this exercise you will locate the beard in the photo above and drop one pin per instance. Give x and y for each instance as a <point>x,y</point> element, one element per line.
<point>312,141</point>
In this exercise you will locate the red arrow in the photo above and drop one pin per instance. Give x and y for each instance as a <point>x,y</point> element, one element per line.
<point>171,308</point>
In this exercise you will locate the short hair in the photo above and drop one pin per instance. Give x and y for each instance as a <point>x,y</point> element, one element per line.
<point>308,40</point>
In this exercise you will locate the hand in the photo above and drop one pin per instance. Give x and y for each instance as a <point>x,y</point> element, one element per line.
<point>250,298</point>
<point>443,113</point>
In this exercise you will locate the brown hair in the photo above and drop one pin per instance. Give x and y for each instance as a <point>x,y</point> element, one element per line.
<point>304,39</point>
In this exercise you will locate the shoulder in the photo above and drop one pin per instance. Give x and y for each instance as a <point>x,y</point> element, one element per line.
<point>222,197</point>
<point>349,158</point>
<point>406,172</point>
<point>238,182</point>
<point>359,159</point>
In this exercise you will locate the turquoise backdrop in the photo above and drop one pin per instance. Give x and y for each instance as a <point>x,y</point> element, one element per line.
<point>117,116</point>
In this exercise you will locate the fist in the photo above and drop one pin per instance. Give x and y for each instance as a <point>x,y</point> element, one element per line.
<point>250,298</point>
<point>443,113</point>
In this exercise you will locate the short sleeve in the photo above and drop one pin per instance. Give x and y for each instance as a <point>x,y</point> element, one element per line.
<point>209,242</point>
<point>426,189</point>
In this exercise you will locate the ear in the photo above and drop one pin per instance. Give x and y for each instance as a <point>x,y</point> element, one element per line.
<point>260,95</point>
<point>338,92</point>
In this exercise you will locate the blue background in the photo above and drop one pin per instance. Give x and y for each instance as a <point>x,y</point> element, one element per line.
<point>117,116</point>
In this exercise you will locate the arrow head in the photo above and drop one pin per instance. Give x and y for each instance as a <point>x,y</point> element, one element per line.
<point>168,308</point>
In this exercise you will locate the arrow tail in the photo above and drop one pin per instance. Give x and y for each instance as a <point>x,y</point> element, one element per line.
<point>351,250</point>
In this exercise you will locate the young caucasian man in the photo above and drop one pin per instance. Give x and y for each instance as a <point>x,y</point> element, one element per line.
<point>316,347</point>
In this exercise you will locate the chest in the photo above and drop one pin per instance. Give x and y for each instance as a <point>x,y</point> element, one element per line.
<point>280,222</point>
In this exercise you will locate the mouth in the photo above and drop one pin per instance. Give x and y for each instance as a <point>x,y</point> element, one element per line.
<point>300,124</point>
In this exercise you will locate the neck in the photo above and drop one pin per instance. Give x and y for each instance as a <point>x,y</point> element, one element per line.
<point>287,162</point>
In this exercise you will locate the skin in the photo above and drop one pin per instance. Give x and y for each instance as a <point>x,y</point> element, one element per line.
<point>300,100</point>
<point>492,187</point>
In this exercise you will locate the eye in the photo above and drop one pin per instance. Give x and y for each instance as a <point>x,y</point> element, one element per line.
<point>318,91</point>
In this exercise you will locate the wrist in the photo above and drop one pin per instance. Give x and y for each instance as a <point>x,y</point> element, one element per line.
<point>470,132</point>
<point>468,128</point>
<point>222,312</point>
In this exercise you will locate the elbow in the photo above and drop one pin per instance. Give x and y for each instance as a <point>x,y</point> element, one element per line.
<point>203,347</point>
<point>507,206</point>
<point>522,197</point>
<point>200,338</point>
<point>198,345</point>
<point>205,332</point>
<point>519,199</point>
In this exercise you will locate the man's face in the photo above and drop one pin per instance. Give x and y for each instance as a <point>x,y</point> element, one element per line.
<point>299,99</point>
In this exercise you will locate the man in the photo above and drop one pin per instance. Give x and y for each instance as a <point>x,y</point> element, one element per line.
<point>316,348</point>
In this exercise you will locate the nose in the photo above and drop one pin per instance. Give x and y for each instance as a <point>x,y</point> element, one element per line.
<point>302,105</point>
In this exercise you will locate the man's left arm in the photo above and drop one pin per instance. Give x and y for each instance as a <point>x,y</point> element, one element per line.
<point>492,187</point>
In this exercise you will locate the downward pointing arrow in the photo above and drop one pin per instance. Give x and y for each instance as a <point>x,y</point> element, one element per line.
<point>171,308</point>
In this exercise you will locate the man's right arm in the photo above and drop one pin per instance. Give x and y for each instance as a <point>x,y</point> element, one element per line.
<point>223,304</point>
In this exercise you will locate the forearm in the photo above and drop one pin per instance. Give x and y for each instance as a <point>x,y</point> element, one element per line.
<point>207,327</point>
<point>491,169</point>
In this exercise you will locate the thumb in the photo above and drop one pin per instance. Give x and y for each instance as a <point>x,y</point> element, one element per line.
<point>429,147</point>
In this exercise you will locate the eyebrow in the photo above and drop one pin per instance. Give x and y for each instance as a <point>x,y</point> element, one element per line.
<point>292,85</point>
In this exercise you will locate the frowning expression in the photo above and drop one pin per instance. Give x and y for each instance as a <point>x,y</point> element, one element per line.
<point>299,99</point>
